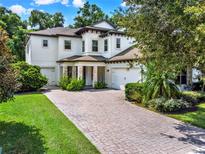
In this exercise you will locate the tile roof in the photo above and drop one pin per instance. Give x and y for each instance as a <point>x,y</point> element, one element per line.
<point>58,31</point>
<point>79,58</point>
<point>131,53</point>
<point>128,54</point>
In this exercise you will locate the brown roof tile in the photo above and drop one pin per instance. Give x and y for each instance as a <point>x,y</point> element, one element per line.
<point>131,53</point>
<point>83,59</point>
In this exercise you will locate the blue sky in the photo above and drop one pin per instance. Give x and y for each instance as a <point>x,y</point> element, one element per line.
<point>69,8</point>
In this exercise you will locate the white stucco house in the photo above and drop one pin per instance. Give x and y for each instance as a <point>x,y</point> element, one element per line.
<point>99,52</point>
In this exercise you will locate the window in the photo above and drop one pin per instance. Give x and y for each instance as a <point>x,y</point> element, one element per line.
<point>118,43</point>
<point>67,44</point>
<point>83,46</point>
<point>45,43</point>
<point>95,45</point>
<point>105,45</point>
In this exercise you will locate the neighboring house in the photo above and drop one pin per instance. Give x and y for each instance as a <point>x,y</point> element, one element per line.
<point>94,53</point>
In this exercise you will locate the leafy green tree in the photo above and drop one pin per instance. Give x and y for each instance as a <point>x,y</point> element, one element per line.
<point>8,83</point>
<point>88,15</point>
<point>163,32</point>
<point>44,20</point>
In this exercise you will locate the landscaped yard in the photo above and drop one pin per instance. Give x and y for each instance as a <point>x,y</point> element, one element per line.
<point>32,124</point>
<point>196,118</point>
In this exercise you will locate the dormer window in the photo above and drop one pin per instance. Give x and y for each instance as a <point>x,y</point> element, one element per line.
<point>67,45</point>
<point>118,43</point>
<point>45,43</point>
<point>106,45</point>
<point>95,46</point>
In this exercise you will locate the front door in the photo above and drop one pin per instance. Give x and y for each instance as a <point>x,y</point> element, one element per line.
<point>88,75</point>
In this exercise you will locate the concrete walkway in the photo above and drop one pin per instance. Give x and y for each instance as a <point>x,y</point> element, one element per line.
<point>117,127</point>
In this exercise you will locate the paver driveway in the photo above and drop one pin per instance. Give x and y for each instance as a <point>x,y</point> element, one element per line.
<point>115,126</point>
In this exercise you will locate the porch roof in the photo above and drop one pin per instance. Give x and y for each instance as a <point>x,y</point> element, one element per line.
<point>131,53</point>
<point>78,58</point>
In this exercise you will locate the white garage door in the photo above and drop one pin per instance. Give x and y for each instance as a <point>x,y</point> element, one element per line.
<point>50,74</point>
<point>122,76</point>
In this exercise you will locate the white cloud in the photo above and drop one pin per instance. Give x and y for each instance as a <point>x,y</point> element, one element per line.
<point>78,3</point>
<point>18,9</point>
<point>47,2</point>
<point>123,4</point>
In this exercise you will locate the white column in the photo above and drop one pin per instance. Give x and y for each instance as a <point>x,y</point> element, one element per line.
<point>95,74</point>
<point>74,72</point>
<point>80,72</point>
<point>65,71</point>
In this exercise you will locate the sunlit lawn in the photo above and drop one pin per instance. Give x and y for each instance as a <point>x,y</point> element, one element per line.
<point>32,124</point>
<point>196,118</point>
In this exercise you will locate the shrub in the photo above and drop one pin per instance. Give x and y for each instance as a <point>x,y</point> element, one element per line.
<point>76,85</point>
<point>29,77</point>
<point>193,96</point>
<point>64,81</point>
<point>134,92</point>
<point>170,105</point>
<point>100,85</point>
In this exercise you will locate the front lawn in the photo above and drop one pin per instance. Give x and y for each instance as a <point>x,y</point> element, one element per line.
<point>32,124</point>
<point>196,118</point>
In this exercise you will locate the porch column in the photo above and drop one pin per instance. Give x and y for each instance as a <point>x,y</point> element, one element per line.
<point>80,72</point>
<point>65,71</point>
<point>95,74</point>
<point>74,72</point>
<point>189,76</point>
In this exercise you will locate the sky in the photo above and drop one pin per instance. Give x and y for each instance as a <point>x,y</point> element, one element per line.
<point>68,8</point>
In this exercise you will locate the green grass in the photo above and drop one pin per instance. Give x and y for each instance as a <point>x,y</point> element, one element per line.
<point>196,118</point>
<point>32,124</point>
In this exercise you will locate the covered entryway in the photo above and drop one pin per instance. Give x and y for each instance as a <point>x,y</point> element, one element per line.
<point>50,73</point>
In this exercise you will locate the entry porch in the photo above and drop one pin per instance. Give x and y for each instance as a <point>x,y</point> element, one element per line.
<point>89,72</point>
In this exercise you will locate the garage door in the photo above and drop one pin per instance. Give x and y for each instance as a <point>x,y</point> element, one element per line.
<point>50,74</point>
<point>122,76</point>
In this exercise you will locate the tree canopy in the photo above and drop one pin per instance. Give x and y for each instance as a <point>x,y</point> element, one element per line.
<point>44,20</point>
<point>165,31</point>
<point>8,83</point>
<point>88,15</point>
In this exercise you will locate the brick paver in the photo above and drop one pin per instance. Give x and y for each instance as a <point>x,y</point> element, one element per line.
<point>117,127</point>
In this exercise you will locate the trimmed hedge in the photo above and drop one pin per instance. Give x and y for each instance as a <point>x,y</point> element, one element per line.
<point>193,96</point>
<point>76,85</point>
<point>134,92</point>
<point>29,77</point>
<point>100,85</point>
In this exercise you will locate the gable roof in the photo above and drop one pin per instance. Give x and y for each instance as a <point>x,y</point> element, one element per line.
<point>58,31</point>
<point>108,22</point>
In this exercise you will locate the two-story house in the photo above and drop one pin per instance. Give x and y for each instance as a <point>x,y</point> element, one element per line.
<point>99,52</point>
<point>94,53</point>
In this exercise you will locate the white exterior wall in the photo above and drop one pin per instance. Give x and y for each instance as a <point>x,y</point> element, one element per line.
<point>76,47</point>
<point>44,56</point>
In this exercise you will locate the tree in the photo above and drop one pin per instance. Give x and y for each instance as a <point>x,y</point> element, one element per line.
<point>44,20</point>
<point>16,30</point>
<point>88,15</point>
<point>162,30</point>
<point>8,83</point>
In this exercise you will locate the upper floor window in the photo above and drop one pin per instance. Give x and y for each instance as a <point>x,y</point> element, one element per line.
<point>45,43</point>
<point>106,45</point>
<point>95,45</point>
<point>83,46</point>
<point>67,44</point>
<point>118,43</point>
